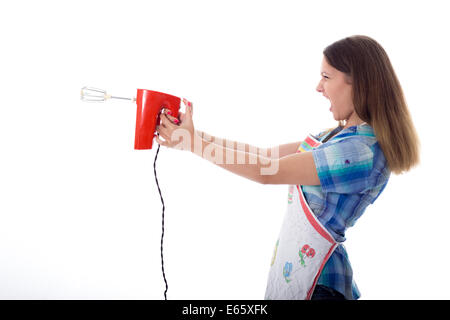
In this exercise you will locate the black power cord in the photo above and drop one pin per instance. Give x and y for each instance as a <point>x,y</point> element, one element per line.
<point>162,234</point>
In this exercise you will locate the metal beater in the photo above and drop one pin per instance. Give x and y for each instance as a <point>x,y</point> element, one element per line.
<point>91,94</point>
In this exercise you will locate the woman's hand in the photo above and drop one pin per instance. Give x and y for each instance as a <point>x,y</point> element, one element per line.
<point>170,124</point>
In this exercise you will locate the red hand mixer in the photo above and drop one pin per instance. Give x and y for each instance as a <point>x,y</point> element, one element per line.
<point>149,106</point>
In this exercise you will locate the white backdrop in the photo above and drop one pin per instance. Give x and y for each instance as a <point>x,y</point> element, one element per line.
<point>80,213</point>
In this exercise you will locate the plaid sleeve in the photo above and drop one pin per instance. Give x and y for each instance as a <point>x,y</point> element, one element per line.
<point>343,166</point>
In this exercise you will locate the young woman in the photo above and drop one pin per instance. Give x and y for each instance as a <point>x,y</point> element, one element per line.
<point>332,177</point>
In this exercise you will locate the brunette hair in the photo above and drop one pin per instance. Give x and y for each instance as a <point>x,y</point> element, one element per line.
<point>378,98</point>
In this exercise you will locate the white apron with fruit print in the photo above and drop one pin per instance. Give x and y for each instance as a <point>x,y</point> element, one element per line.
<point>302,249</point>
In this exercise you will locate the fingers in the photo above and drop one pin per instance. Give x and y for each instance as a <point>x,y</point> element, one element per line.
<point>166,142</point>
<point>188,105</point>
<point>162,132</point>
<point>163,143</point>
<point>165,129</point>
<point>170,117</point>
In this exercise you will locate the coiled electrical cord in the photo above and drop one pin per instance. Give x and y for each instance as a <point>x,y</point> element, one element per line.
<point>162,233</point>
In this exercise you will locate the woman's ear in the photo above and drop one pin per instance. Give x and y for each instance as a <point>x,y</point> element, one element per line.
<point>348,78</point>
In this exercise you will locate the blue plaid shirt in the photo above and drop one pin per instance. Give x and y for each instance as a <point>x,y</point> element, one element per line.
<point>353,172</point>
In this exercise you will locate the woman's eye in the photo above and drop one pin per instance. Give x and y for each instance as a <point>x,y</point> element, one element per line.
<point>325,77</point>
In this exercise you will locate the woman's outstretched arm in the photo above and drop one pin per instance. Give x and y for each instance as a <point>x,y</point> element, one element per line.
<point>296,168</point>
<point>276,152</point>
<point>237,160</point>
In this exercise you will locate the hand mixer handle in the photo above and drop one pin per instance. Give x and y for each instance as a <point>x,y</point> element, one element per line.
<point>149,106</point>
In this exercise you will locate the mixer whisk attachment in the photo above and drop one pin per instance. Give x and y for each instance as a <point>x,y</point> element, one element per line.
<point>91,94</point>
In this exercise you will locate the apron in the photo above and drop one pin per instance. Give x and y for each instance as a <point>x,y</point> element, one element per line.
<point>302,249</point>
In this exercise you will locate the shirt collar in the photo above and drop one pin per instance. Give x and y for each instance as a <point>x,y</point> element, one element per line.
<point>363,129</point>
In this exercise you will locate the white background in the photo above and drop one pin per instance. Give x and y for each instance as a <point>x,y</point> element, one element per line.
<point>80,213</point>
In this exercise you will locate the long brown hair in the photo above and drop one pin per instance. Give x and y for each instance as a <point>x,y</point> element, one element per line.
<point>378,98</point>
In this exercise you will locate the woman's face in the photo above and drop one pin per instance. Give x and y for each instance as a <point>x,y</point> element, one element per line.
<point>334,87</point>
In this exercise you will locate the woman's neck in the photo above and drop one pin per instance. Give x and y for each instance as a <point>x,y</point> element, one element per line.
<point>353,122</point>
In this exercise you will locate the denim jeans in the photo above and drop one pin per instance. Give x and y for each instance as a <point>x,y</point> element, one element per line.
<point>325,293</point>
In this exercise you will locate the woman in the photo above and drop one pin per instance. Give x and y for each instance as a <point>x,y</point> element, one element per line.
<point>333,176</point>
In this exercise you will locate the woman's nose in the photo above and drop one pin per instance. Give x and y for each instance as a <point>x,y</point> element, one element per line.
<point>319,88</point>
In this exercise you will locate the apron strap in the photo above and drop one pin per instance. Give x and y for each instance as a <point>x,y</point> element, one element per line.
<point>332,133</point>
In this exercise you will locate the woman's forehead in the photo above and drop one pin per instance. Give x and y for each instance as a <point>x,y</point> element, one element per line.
<point>325,67</point>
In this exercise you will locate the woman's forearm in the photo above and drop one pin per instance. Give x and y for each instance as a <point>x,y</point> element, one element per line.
<point>238,146</point>
<point>245,164</point>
